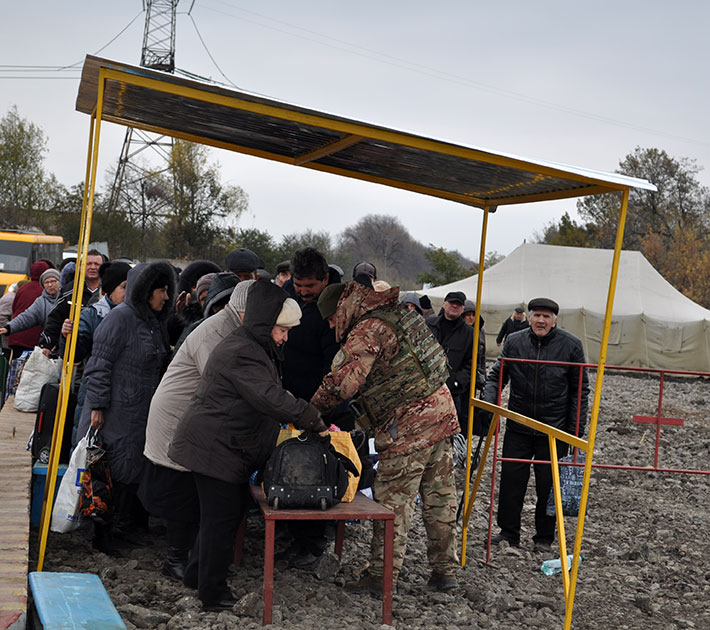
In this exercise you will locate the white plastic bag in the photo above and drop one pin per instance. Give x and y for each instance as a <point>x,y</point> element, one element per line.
<point>65,514</point>
<point>37,371</point>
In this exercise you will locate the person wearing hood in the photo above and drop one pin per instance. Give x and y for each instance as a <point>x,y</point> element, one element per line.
<point>394,365</point>
<point>130,352</point>
<point>168,490</point>
<point>230,428</point>
<point>34,316</point>
<point>24,298</point>
<point>469,316</point>
<point>411,301</point>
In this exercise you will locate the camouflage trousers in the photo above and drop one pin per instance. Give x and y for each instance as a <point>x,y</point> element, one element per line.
<point>430,473</point>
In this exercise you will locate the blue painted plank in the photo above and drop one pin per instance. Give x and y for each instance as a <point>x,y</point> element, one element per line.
<point>73,601</point>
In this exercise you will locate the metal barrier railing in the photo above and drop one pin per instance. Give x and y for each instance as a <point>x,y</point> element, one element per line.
<point>658,420</point>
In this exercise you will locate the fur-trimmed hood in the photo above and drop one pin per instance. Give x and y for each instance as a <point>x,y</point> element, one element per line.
<point>141,281</point>
<point>193,272</point>
<point>355,301</point>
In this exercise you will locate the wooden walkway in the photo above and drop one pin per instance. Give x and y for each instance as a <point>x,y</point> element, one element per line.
<point>15,481</point>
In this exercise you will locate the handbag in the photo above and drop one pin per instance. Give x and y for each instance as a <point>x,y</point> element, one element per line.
<point>96,501</point>
<point>570,487</point>
<point>66,516</point>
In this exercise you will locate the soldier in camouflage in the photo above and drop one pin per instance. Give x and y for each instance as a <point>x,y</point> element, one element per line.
<point>410,412</point>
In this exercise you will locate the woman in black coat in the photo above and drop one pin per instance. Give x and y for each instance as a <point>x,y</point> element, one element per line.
<point>129,355</point>
<point>230,429</point>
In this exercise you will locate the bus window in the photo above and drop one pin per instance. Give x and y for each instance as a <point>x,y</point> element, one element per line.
<point>47,251</point>
<point>15,257</point>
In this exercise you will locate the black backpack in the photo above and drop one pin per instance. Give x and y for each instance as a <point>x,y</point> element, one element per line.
<point>306,472</point>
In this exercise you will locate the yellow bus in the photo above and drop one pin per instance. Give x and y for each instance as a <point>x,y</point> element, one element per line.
<point>18,250</point>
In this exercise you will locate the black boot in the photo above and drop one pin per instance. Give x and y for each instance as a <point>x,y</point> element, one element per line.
<point>181,537</point>
<point>103,540</point>
<point>175,563</point>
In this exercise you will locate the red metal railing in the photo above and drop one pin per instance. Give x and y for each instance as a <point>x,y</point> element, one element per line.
<point>658,420</point>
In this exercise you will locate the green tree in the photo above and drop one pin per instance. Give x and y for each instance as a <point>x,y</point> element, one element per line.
<point>680,203</point>
<point>567,232</point>
<point>200,206</point>
<point>25,188</point>
<point>445,267</point>
<point>289,243</point>
<point>669,226</point>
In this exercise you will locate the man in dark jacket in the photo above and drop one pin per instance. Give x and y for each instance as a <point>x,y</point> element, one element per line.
<point>513,324</point>
<point>50,337</point>
<point>312,346</point>
<point>230,429</point>
<point>456,337</point>
<point>547,393</point>
<point>307,358</point>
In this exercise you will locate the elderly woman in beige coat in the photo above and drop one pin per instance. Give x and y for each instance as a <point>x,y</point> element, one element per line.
<point>168,490</point>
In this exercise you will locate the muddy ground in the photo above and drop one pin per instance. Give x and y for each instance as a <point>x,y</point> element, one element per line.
<point>646,547</point>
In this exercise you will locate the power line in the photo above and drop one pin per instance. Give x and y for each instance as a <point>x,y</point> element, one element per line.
<point>435,73</point>
<point>109,42</point>
<point>199,35</point>
<point>5,68</point>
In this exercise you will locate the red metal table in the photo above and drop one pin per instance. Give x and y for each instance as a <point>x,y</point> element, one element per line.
<point>361,508</point>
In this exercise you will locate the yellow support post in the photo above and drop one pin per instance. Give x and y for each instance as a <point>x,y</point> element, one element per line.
<point>595,406</point>
<point>474,364</point>
<point>554,462</point>
<point>479,474</point>
<point>70,348</point>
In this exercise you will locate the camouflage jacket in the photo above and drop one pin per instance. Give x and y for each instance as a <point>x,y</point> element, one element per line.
<point>368,344</point>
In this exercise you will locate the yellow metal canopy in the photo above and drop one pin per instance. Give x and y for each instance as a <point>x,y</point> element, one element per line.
<point>164,103</point>
<point>198,112</point>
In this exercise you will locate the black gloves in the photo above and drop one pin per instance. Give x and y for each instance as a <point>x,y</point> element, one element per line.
<point>481,421</point>
<point>310,420</point>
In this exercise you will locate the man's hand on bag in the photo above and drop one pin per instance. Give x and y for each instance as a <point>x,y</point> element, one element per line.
<point>46,352</point>
<point>97,418</point>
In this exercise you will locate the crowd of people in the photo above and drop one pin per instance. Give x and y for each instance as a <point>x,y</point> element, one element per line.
<point>188,375</point>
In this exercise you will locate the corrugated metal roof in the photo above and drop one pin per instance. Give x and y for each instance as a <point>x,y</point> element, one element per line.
<point>238,121</point>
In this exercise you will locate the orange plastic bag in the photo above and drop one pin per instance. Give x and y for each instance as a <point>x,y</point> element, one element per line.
<point>343,443</point>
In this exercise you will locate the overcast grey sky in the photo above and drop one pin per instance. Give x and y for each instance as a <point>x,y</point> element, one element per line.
<point>575,83</point>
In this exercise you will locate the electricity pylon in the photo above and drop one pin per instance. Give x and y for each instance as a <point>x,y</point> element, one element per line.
<point>157,52</point>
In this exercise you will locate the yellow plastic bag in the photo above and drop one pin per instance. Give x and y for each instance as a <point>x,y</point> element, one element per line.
<point>343,443</point>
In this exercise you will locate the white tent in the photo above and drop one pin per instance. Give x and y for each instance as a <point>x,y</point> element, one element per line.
<point>653,325</point>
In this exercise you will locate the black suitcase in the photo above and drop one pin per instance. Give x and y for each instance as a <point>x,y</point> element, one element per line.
<point>44,424</point>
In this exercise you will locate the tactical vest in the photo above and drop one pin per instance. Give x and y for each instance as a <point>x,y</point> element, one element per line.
<point>417,370</point>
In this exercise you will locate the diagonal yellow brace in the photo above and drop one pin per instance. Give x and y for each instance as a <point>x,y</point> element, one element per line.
<point>559,514</point>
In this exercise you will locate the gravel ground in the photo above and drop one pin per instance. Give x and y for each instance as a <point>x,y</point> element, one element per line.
<point>645,549</point>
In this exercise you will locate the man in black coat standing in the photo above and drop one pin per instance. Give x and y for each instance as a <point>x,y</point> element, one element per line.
<point>456,337</point>
<point>513,324</point>
<point>544,392</point>
<point>307,358</point>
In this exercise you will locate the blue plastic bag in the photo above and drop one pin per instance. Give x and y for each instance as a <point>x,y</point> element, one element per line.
<point>570,487</point>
